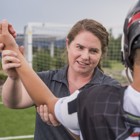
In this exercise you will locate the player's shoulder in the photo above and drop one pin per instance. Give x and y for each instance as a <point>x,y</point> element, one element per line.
<point>102,92</point>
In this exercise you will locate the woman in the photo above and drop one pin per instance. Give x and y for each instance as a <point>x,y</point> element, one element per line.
<point>86,45</point>
<point>104,111</point>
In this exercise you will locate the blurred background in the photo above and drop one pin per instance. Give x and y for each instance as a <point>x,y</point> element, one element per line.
<point>42,26</point>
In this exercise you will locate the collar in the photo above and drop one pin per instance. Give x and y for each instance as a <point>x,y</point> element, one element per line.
<point>98,77</point>
<point>61,76</point>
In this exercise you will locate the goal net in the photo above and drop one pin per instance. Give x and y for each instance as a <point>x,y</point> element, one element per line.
<point>44,45</point>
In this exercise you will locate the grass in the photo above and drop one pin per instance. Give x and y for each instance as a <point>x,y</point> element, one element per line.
<point>15,122</point>
<point>115,71</point>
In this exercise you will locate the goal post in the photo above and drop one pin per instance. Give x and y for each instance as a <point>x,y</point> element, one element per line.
<point>50,30</point>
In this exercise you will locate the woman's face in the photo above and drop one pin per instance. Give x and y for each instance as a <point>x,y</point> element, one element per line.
<point>84,53</point>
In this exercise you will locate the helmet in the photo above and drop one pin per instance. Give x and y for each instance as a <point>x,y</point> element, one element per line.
<point>131,35</point>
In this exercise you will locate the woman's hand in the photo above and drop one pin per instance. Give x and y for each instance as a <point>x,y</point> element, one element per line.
<point>9,63</point>
<point>46,116</point>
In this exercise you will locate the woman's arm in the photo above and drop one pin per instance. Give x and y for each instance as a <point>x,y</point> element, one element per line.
<point>14,95</point>
<point>35,87</point>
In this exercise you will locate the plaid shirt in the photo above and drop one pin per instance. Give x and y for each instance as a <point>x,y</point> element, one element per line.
<point>101,114</point>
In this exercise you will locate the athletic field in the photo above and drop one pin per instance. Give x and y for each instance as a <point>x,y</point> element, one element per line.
<point>16,124</point>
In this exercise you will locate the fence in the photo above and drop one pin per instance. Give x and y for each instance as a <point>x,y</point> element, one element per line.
<point>45,46</point>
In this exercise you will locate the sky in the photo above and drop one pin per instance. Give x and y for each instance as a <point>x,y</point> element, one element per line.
<point>111,13</point>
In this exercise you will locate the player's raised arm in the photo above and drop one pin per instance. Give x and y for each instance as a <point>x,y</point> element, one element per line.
<point>35,87</point>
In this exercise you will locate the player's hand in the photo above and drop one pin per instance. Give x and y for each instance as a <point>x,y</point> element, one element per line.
<point>10,29</point>
<point>7,40</point>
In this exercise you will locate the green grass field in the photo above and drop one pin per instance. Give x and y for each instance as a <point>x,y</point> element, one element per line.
<point>16,122</point>
<point>115,72</point>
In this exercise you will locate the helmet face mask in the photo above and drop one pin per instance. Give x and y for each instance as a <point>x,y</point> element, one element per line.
<point>130,40</point>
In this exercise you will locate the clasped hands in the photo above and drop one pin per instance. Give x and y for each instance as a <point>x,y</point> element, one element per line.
<point>7,42</point>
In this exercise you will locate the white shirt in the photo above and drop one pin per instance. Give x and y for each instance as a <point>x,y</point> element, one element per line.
<point>70,121</point>
<point>132,105</point>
